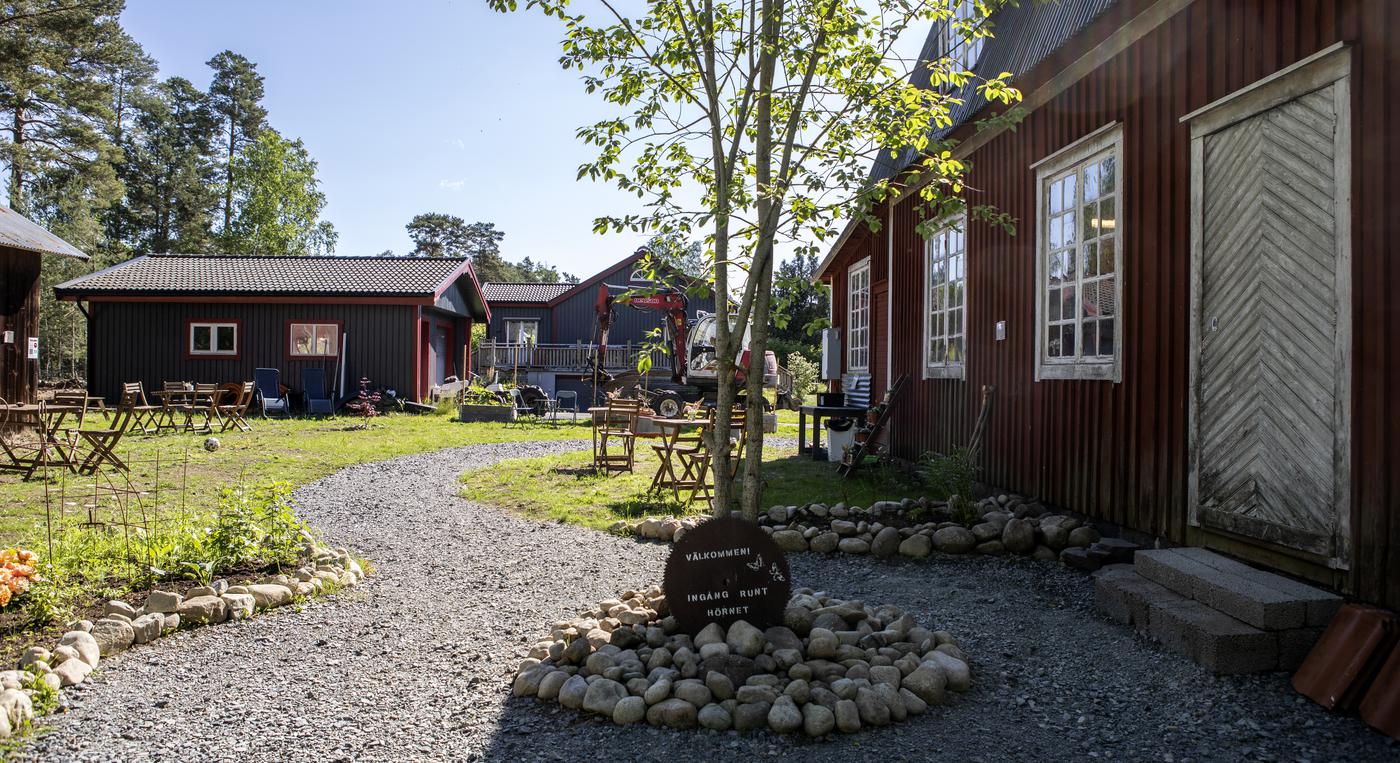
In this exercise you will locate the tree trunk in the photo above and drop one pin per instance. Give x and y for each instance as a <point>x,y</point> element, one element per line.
<point>16,164</point>
<point>228,177</point>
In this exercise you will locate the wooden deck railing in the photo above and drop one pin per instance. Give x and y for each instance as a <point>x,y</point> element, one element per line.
<point>562,357</point>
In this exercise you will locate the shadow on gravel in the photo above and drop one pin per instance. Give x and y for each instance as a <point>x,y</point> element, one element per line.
<point>1052,681</point>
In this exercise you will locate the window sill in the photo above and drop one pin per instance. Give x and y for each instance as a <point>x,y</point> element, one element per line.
<point>944,372</point>
<point>1081,371</point>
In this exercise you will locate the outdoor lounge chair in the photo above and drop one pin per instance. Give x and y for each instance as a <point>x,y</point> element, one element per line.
<point>269,382</point>
<point>313,391</point>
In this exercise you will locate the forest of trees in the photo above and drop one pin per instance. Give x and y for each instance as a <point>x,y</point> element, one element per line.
<point>435,234</point>
<point>96,147</point>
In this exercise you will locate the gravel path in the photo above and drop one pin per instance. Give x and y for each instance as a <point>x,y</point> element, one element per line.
<point>416,663</point>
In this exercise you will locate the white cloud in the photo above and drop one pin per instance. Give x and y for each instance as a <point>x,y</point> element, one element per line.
<point>458,142</point>
<point>452,185</point>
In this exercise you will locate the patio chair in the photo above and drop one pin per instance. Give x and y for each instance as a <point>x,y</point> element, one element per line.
<point>143,415</point>
<point>77,400</point>
<point>615,437</point>
<point>314,396</point>
<point>202,403</point>
<point>273,399</point>
<point>174,396</point>
<point>234,409</point>
<point>524,412</point>
<point>571,396</point>
<point>101,443</point>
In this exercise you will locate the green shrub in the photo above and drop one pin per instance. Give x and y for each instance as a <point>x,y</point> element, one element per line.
<point>804,376</point>
<point>952,477</point>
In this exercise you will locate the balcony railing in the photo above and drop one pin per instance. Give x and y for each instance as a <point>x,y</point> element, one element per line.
<point>576,358</point>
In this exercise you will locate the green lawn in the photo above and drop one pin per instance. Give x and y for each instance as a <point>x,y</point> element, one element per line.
<point>176,520</point>
<point>565,488</point>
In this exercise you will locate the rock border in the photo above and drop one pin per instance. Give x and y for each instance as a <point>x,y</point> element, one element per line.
<point>915,528</point>
<point>121,626</point>
<point>833,666</point>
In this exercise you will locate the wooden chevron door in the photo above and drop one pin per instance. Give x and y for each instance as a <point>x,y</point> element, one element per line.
<point>1271,336</point>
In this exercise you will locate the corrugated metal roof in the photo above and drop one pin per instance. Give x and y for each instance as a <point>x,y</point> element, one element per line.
<point>1024,35</point>
<point>19,232</point>
<point>523,292</point>
<point>186,274</point>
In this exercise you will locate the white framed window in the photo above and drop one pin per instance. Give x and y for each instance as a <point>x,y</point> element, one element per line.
<point>858,316</point>
<point>523,331</point>
<point>213,338</point>
<point>640,275</point>
<point>945,301</point>
<point>963,51</point>
<point>1079,259</point>
<point>313,340</point>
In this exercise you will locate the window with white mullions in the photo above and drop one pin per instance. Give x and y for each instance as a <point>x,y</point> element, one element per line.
<point>213,339</point>
<point>962,49</point>
<point>945,301</point>
<point>1079,261</point>
<point>858,309</point>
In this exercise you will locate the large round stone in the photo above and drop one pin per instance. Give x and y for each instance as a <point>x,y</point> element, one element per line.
<point>954,540</point>
<point>714,717</point>
<point>629,710</point>
<point>886,543</point>
<point>817,721</point>
<point>784,717</point>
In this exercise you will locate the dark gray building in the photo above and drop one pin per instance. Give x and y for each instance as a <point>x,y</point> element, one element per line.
<point>547,331</point>
<point>402,322</point>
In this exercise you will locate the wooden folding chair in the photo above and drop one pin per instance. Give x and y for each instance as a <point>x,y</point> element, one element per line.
<point>618,430</point>
<point>142,414</point>
<point>101,444</point>
<point>235,413</point>
<point>203,403</point>
<point>174,396</point>
<point>77,400</point>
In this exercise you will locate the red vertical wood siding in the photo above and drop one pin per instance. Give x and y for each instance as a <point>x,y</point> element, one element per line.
<point>1118,452</point>
<point>19,312</point>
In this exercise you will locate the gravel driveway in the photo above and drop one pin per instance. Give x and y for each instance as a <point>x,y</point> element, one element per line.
<point>416,663</point>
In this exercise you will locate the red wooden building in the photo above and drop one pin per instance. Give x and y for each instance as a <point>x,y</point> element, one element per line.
<point>1194,331</point>
<point>23,245</point>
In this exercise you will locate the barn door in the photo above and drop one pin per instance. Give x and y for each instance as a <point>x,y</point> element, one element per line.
<point>1271,298</point>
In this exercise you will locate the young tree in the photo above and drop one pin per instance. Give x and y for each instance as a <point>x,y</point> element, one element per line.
<point>55,97</point>
<point>770,112</point>
<point>279,200</point>
<point>235,95</point>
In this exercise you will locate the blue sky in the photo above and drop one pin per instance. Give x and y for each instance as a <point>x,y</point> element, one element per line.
<point>428,106</point>
<point>446,107</point>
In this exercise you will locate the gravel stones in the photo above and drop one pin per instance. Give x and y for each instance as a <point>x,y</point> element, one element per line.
<point>744,678</point>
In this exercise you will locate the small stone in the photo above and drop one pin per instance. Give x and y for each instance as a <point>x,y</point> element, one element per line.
<point>719,685</point>
<point>203,610</point>
<point>853,546</point>
<point>873,710</point>
<point>270,595</point>
<point>551,684</point>
<point>113,636</point>
<point>1083,537</point>
<point>957,671</point>
<point>825,543</point>
<point>240,605</point>
<point>658,691</point>
<point>710,634</point>
<point>694,691</point>
<point>714,717</point>
<point>119,607</point>
<point>527,682</point>
<point>790,540</point>
<point>886,543</point>
<point>991,548</point>
<point>913,703</point>
<point>602,697</point>
<point>571,694</point>
<point>822,644</point>
<point>148,627</point>
<point>1018,536</point>
<point>675,713</point>
<point>927,682</point>
<point>954,540</point>
<point>629,710</point>
<point>34,654</point>
<point>916,546</point>
<point>885,674</point>
<point>710,651</point>
<point>751,716</point>
<point>784,717</point>
<point>847,716</point>
<point>16,705</point>
<point>72,672</point>
<point>986,531</point>
<point>817,721</point>
<point>744,639</point>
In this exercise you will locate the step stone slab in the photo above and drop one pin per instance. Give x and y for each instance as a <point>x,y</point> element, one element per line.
<point>1241,597</point>
<point>1321,605</point>
<point>1211,639</point>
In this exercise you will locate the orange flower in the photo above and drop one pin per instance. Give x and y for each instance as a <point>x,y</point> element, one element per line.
<point>4,596</point>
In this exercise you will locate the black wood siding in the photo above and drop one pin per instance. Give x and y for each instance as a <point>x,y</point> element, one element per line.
<point>146,341</point>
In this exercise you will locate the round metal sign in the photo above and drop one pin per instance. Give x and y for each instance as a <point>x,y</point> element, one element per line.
<point>725,570</point>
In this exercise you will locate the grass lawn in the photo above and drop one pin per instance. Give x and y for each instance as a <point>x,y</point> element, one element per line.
<point>565,487</point>
<point>201,498</point>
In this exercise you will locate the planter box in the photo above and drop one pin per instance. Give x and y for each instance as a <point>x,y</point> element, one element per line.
<point>500,413</point>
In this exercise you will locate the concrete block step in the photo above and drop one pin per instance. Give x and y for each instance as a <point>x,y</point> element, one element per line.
<point>1261,599</point>
<point>1188,627</point>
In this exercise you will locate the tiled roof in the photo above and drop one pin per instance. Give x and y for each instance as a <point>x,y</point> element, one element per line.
<point>19,232</point>
<point>523,292</point>
<point>184,274</point>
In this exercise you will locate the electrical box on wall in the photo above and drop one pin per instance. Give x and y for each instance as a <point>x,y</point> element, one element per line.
<point>1001,331</point>
<point>831,354</point>
<point>9,337</point>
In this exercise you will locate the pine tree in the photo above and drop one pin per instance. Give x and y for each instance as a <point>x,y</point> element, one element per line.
<point>169,172</point>
<point>235,94</point>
